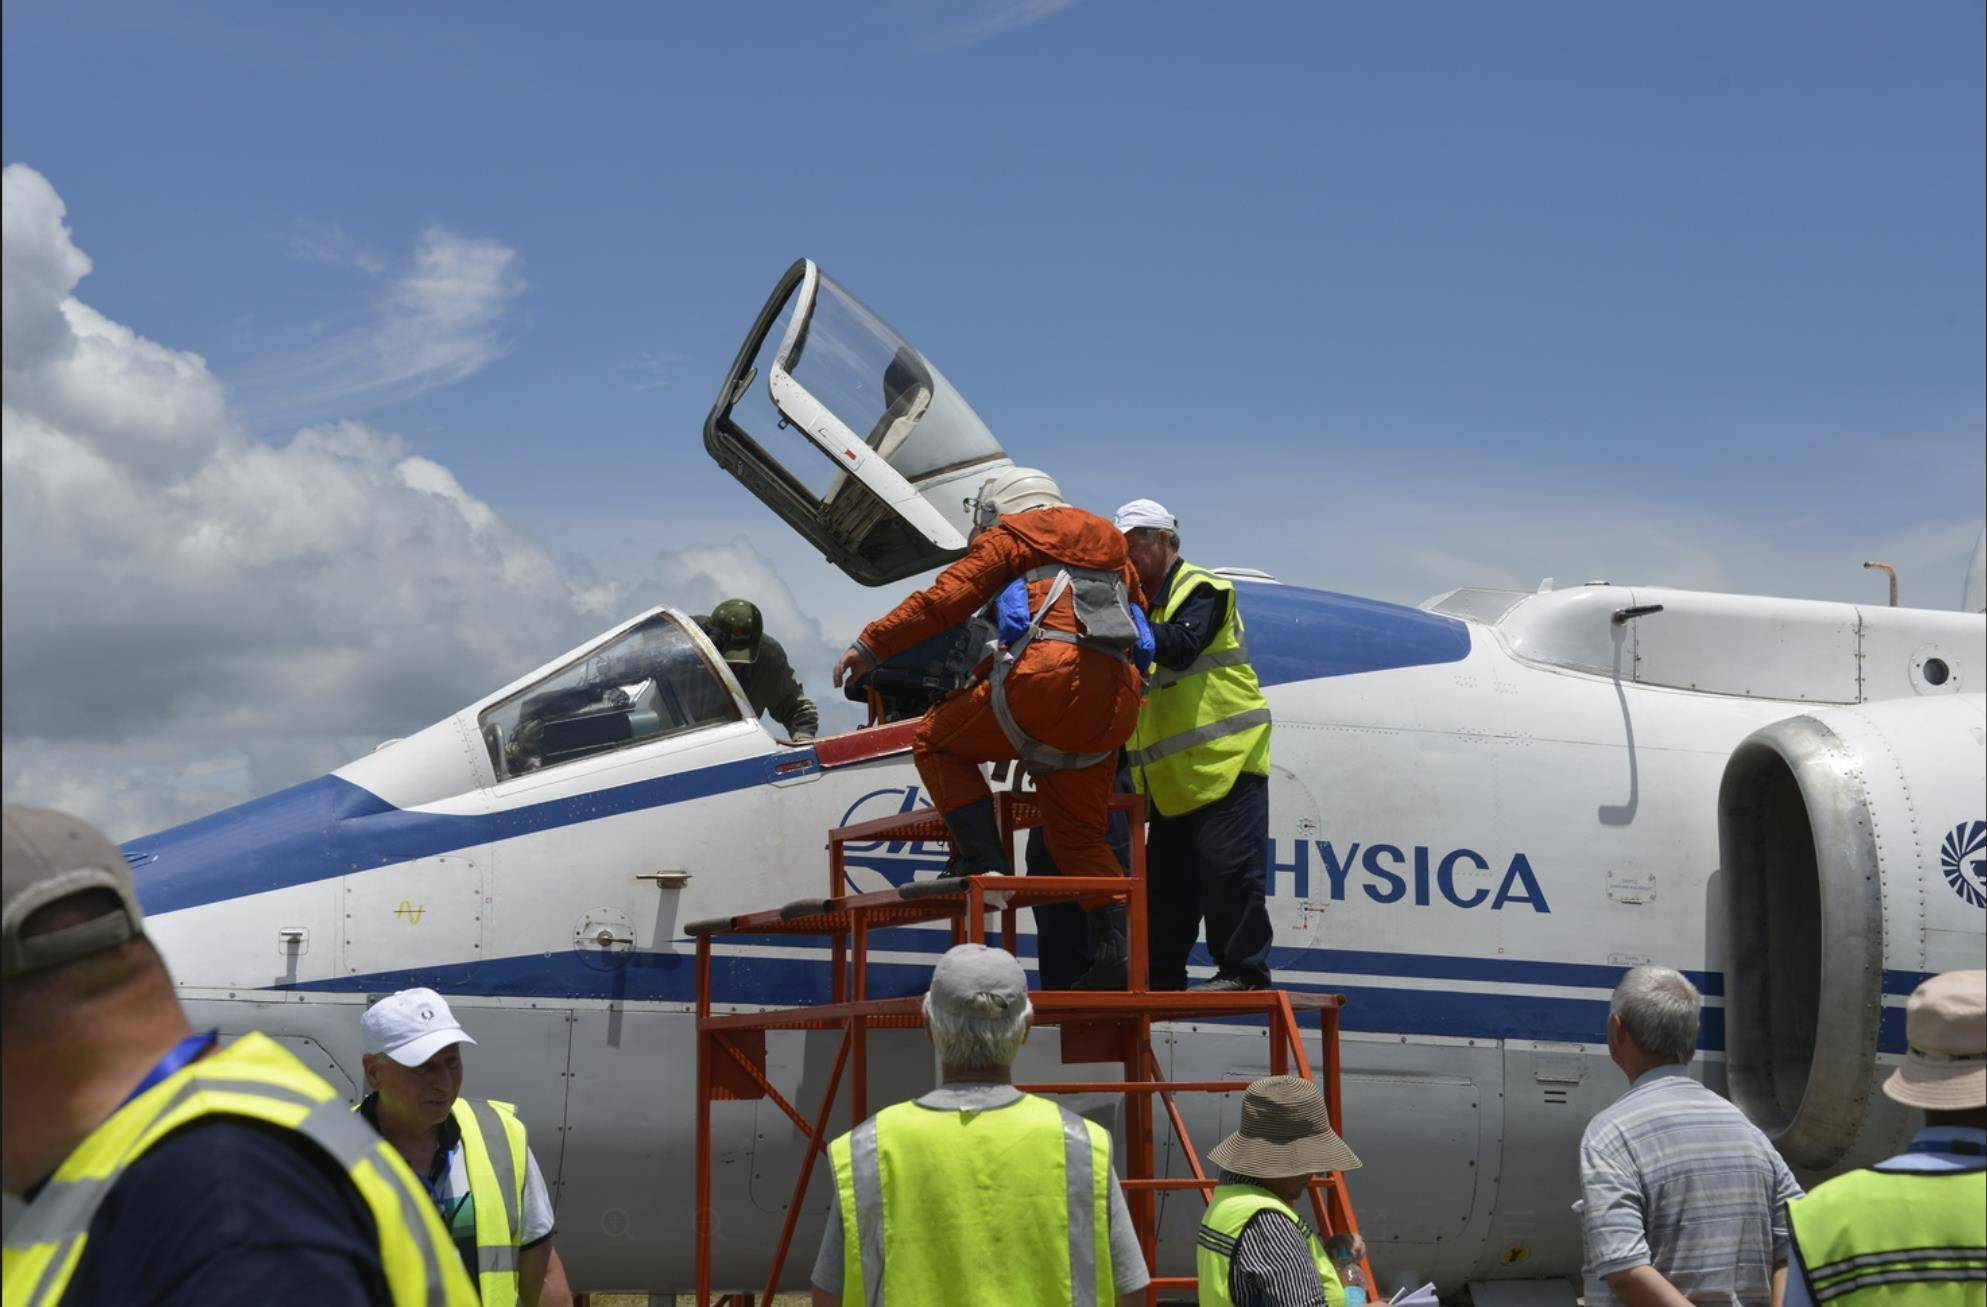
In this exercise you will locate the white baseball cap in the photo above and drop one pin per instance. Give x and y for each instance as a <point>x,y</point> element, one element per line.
<point>1145,513</point>
<point>412,1026</point>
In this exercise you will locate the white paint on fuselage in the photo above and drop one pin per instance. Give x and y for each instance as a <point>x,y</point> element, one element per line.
<point>1586,806</point>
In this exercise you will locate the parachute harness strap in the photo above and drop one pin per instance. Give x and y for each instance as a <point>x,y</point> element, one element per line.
<point>1035,757</point>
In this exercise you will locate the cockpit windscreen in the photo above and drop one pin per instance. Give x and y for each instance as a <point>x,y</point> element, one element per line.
<point>650,682</point>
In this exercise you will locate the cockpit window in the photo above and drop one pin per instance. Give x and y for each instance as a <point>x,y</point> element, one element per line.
<point>650,682</point>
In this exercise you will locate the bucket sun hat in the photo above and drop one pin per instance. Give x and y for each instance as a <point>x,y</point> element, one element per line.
<point>1945,1027</point>
<point>1285,1131</point>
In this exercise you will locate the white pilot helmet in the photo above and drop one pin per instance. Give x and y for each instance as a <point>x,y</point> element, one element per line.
<point>1014,490</point>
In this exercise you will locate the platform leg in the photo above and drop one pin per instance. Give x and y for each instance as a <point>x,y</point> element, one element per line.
<point>815,1145</point>
<point>859,1025</point>
<point>1137,975</point>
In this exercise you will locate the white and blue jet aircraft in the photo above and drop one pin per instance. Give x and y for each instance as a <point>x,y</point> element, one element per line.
<point>1483,809</point>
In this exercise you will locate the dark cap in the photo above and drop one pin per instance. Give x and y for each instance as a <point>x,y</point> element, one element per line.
<point>736,628</point>
<point>46,856</point>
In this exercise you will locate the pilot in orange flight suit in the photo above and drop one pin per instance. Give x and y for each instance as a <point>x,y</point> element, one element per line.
<point>1072,698</point>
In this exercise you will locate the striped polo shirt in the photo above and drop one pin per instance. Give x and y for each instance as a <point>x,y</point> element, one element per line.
<point>1677,1178</point>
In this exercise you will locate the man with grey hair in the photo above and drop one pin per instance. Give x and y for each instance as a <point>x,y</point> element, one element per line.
<point>1684,1199</point>
<point>977,1192</point>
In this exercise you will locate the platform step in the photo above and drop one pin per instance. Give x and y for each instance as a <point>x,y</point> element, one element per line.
<point>931,889</point>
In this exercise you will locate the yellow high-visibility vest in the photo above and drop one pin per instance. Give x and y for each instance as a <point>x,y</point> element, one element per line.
<point>496,1187</point>
<point>982,1208</point>
<point>1912,1238</point>
<point>256,1078</point>
<point>1229,1212</point>
<point>1200,728</point>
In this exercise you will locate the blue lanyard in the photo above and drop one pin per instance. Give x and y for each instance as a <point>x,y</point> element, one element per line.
<point>183,1054</point>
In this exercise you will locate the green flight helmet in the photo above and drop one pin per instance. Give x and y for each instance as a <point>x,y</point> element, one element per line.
<point>736,629</point>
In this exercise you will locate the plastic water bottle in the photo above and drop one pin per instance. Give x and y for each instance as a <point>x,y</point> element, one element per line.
<point>1349,1273</point>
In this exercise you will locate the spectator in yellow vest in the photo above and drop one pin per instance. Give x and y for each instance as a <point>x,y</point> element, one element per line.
<point>1913,1228</point>
<point>470,1154</point>
<point>977,1195</point>
<point>1254,1248</point>
<point>264,1178</point>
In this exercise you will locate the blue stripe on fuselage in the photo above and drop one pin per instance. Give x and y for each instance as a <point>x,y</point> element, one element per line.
<point>764,981</point>
<point>329,826</point>
<point>1456,1010</point>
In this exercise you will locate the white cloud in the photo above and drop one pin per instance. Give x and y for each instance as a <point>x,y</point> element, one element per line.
<point>193,617</point>
<point>43,266</point>
<point>652,369</point>
<point>1396,530</point>
<point>982,20</point>
<point>315,241</point>
<point>439,321</point>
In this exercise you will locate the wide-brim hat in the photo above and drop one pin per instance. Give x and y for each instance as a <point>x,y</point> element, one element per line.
<point>1285,1131</point>
<point>1945,1027</point>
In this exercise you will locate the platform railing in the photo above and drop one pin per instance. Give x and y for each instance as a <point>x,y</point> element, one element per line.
<point>1096,1026</point>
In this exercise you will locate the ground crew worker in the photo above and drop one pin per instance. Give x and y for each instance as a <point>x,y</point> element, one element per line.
<point>1253,1249</point>
<point>1063,697</point>
<point>977,1193</point>
<point>761,666</point>
<point>1912,1229</point>
<point>471,1154</point>
<point>158,1166</point>
<point>1201,758</point>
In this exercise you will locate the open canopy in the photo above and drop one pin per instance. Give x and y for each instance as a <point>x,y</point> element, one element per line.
<point>850,434</point>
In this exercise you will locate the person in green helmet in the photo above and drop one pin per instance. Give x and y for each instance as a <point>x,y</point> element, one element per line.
<point>761,666</point>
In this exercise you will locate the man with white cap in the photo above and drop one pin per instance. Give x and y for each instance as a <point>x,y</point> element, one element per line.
<point>471,1154</point>
<point>158,1165</point>
<point>1912,1229</point>
<point>1253,1249</point>
<point>977,1193</point>
<point>1200,755</point>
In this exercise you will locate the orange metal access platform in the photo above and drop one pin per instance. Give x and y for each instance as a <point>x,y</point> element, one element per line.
<point>1096,1026</point>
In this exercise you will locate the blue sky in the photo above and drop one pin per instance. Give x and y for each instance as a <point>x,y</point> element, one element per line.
<point>1384,298</point>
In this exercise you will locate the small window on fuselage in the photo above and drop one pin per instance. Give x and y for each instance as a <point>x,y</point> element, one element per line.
<point>648,683</point>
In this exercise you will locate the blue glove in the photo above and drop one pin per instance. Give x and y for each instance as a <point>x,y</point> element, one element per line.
<point>1011,613</point>
<point>1147,648</point>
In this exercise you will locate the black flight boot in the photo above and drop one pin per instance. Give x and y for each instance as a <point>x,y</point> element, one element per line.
<point>1106,926</point>
<point>976,842</point>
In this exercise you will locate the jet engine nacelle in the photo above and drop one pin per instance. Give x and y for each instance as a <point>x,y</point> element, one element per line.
<point>1851,847</point>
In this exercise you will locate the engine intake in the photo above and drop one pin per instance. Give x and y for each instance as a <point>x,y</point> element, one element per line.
<point>1804,903</point>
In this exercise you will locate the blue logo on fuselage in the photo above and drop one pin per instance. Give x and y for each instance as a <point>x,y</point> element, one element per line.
<point>896,861</point>
<point>1963,857</point>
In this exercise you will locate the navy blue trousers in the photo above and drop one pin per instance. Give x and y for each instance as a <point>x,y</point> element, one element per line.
<point>1212,864</point>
